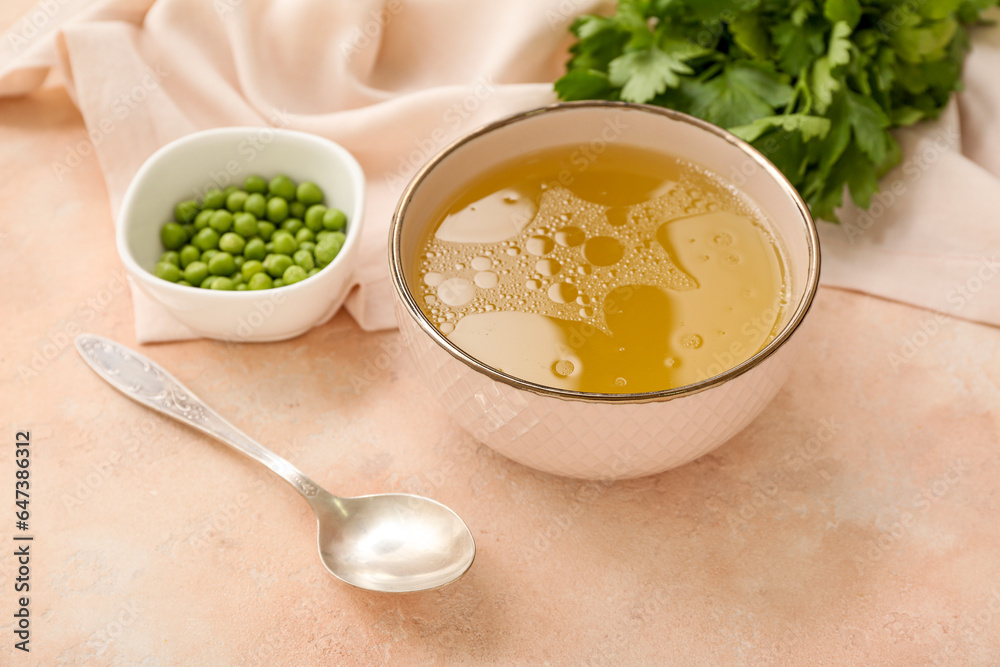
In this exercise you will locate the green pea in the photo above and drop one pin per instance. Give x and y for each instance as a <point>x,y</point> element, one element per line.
<point>167,271</point>
<point>207,282</point>
<point>222,264</point>
<point>236,200</point>
<point>223,283</point>
<point>304,235</point>
<point>189,254</point>
<point>196,272</point>
<point>251,268</point>
<point>269,246</point>
<point>265,229</point>
<point>230,190</point>
<point>171,257</point>
<point>245,224</point>
<point>241,287</point>
<point>173,236</point>
<point>237,278</point>
<point>284,242</point>
<point>232,243</point>
<point>255,184</point>
<point>314,217</point>
<point>323,236</point>
<point>277,209</point>
<point>221,221</point>
<point>209,254</point>
<point>201,221</point>
<point>292,225</point>
<point>282,186</point>
<point>186,211</point>
<point>256,204</point>
<point>309,193</point>
<point>254,249</point>
<point>297,209</point>
<point>307,245</point>
<point>189,229</point>
<point>294,274</point>
<point>259,281</point>
<point>184,282</point>
<point>214,198</point>
<point>304,259</point>
<point>277,265</point>
<point>278,282</point>
<point>206,239</point>
<point>334,237</point>
<point>334,220</point>
<point>326,253</point>
<point>312,272</point>
<point>238,260</point>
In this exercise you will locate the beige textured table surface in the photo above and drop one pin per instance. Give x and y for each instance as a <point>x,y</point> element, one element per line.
<point>855,522</point>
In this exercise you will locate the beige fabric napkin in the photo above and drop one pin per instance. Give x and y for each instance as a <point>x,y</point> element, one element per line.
<point>395,80</point>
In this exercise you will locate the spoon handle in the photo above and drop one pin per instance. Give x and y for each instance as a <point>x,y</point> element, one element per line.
<point>145,382</point>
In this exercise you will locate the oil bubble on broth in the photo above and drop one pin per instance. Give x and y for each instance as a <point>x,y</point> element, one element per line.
<point>638,272</point>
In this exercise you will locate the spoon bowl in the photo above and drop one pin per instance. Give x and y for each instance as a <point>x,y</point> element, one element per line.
<point>392,542</point>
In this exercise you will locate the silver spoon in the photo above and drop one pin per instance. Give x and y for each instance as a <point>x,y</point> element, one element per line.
<point>393,542</point>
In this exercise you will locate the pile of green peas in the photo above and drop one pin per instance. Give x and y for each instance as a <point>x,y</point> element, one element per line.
<point>267,234</point>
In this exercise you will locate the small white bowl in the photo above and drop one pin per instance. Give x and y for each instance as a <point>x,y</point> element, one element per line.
<point>185,169</point>
<point>602,436</point>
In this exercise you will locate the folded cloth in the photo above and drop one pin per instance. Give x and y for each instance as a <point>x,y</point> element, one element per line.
<point>393,81</point>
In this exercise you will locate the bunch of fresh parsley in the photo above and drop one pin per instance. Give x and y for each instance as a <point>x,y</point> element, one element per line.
<point>816,85</point>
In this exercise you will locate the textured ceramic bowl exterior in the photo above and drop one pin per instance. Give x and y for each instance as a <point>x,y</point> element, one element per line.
<point>184,169</point>
<point>603,436</point>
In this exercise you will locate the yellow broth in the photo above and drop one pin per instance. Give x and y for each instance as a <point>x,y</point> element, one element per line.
<point>620,272</point>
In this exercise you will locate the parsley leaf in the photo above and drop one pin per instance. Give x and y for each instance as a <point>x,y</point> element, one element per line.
<point>868,123</point>
<point>740,94</point>
<point>642,75</point>
<point>585,84</point>
<point>810,127</point>
<point>750,35</point>
<point>848,11</point>
<point>824,79</point>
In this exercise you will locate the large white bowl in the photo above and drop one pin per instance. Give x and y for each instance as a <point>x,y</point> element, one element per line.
<point>602,436</point>
<point>185,169</point>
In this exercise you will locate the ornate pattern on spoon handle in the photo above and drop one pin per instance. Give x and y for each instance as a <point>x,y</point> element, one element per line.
<point>144,382</point>
<point>139,378</point>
